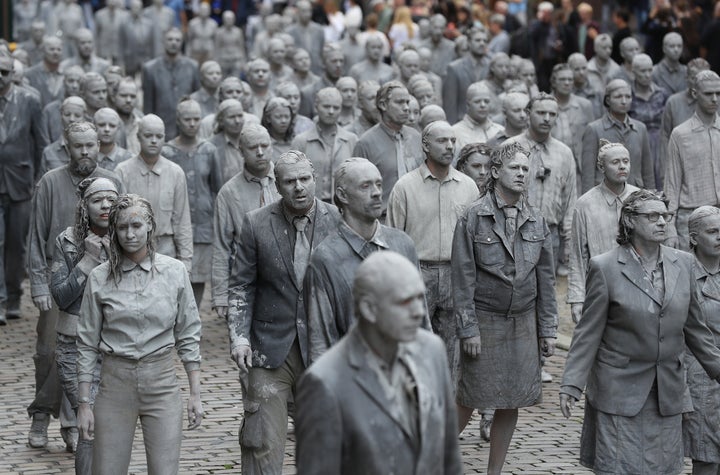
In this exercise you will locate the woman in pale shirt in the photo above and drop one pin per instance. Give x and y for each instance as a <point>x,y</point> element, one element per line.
<point>403,29</point>
<point>135,309</point>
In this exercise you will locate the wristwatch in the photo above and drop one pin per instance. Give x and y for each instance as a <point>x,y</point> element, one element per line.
<point>84,400</point>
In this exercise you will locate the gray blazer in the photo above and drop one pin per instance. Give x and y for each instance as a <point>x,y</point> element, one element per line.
<point>265,297</point>
<point>460,75</point>
<point>628,336</point>
<point>343,421</point>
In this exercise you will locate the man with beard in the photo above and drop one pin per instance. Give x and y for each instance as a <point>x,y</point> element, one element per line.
<point>464,71</point>
<point>52,212</point>
<point>163,184</point>
<point>86,58</point>
<point>125,98</point>
<point>166,79</point>
<point>329,277</point>
<point>45,76</point>
<point>426,203</point>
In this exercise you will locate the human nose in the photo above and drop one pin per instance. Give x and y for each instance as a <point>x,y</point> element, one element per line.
<point>260,151</point>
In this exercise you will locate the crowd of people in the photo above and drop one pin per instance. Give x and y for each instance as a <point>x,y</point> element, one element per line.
<point>379,198</point>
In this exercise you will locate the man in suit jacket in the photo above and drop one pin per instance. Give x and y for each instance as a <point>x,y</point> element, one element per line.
<point>45,76</point>
<point>462,72</point>
<point>326,144</point>
<point>166,79</point>
<point>21,146</point>
<point>380,401</point>
<point>266,316</point>
<point>308,35</point>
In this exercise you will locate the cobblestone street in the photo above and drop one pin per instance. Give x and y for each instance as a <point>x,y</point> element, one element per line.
<point>544,443</point>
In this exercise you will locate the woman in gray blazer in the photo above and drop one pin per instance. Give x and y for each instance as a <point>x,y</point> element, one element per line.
<point>627,352</point>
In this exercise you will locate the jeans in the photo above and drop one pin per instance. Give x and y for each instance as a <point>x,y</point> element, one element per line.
<point>145,388</point>
<point>438,294</point>
<point>66,359</point>
<point>264,426</point>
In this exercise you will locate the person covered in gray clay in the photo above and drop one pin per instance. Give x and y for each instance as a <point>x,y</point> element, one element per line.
<point>369,113</point>
<point>333,67</point>
<point>201,31</point>
<point>265,285</point>
<point>258,77</point>
<point>586,85</point>
<point>108,22</point>
<point>504,300</point>
<point>135,34</point>
<point>86,57</point>
<point>45,76</point>
<point>57,154</point>
<point>476,125</point>
<point>302,75</point>
<point>360,406</point>
<point>279,120</point>
<point>442,49</point>
<point>229,45</point>
<point>207,95</point>
<point>602,64</point>
<point>291,93</point>
<point>372,67</point>
<point>51,122</point>
<point>464,71</point>
<point>308,35</point>
<point>669,73</point>
<point>110,154</point>
<point>330,274</point>
<point>125,100</point>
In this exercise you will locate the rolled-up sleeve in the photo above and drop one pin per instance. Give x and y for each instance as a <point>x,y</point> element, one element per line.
<point>89,328</point>
<point>463,275</point>
<point>241,287</point>
<point>187,328</point>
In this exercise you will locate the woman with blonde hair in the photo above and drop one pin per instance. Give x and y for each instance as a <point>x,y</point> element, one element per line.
<point>403,29</point>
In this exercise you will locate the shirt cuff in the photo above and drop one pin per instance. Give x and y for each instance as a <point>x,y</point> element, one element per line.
<point>571,391</point>
<point>239,341</point>
<point>191,366</point>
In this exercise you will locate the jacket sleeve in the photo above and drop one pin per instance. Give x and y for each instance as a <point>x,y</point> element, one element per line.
<point>648,172</point>
<point>67,282</point>
<point>579,257</point>
<point>698,337</point>
<point>241,287</point>
<point>588,332</point>
<point>319,428</point>
<point>222,252</point>
<point>588,163</point>
<point>321,313</point>
<point>463,275</point>
<point>39,231</point>
<point>182,227</point>
<point>546,306</point>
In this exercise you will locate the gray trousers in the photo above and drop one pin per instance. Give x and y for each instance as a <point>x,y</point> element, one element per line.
<point>705,468</point>
<point>682,217</point>
<point>14,226</point>
<point>66,358</point>
<point>49,397</point>
<point>148,389</point>
<point>438,294</point>
<point>264,426</point>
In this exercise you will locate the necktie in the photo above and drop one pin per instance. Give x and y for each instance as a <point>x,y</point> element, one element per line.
<point>400,156</point>
<point>510,223</point>
<point>301,254</point>
<point>267,196</point>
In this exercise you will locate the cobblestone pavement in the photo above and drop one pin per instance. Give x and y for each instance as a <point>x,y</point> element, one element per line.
<point>544,443</point>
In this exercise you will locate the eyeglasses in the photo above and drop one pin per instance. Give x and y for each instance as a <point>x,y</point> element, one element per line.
<point>6,72</point>
<point>653,217</point>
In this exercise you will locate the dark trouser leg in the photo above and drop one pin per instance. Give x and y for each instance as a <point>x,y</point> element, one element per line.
<point>17,220</point>
<point>198,291</point>
<point>705,468</point>
<point>48,392</point>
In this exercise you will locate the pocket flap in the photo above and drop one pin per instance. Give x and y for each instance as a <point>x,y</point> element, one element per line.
<point>486,238</point>
<point>612,358</point>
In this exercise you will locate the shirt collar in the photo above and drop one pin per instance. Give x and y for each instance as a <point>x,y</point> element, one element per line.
<point>10,95</point>
<point>128,264</point>
<point>610,196</point>
<point>476,124</point>
<point>145,168</point>
<point>289,216</point>
<point>391,133</point>
<point>425,173</point>
<point>357,242</point>
<point>250,177</point>
<point>611,121</point>
<point>666,64</point>
<point>698,125</point>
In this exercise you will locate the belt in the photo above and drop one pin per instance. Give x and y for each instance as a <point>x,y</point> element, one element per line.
<point>434,263</point>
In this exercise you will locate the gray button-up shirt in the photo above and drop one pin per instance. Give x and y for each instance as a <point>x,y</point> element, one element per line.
<point>427,209</point>
<point>468,131</point>
<point>692,175</point>
<point>111,160</point>
<point>150,309</point>
<point>672,79</point>
<point>572,119</point>
<point>165,187</point>
<point>240,194</point>
<point>594,231</point>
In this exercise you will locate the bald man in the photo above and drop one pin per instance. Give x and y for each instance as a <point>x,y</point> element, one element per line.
<point>163,184</point>
<point>207,95</point>
<point>51,124</point>
<point>109,126</point>
<point>353,416</point>
<point>476,125</point>
<point>669,73</point>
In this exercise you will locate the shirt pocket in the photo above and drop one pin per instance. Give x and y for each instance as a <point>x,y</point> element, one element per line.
<point>612,358</point>
<point>489,249</point>
<point>532,242</point>
<point>167,199</point>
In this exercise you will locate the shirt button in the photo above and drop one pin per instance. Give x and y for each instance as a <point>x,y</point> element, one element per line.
<point>489,239</point>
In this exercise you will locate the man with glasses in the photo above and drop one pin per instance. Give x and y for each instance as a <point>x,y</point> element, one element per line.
<point>692,173</point>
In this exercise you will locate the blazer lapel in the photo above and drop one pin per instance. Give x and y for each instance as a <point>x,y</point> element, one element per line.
<point>635,274</point>
<point>423,397</point>
<point>367,379</point>
<point>671,272</point>
<point>280,230</point>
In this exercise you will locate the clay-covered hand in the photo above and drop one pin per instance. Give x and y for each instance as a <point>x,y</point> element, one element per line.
<point>85,422</point>
<point>576,311</point>
<point>242,356</point>
<point>194,411</point>
<point>547,346</point>
<point>222,311</point>
<point>471,346</point>
<point>93,245</point>
<point>567,404</point>
<point>43,303</point>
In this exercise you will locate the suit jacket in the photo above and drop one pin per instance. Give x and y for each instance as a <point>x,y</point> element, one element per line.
<point>265,298</point>
<point>460,75</point>
<point>313,43</point>
<point>311,145</point>
<point>163,86</point>
<point>37,77</point>
<point>343,424</point>
<point>628,337</point>
<point>21,151</point>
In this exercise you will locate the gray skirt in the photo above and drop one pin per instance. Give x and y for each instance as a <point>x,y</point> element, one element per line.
<point>506,375</point>
<point>645,444</point>
<point>701,428</point>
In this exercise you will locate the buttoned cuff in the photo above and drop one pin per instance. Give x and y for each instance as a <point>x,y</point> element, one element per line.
<point>40,289</point>
<point>547,332</point>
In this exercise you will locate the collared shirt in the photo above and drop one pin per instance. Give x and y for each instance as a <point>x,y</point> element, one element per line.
<point>111,160</point>
<point>54,156</point>
<point>92,65</point>
<point>692,175</point>
<point>203,179</point>
<point>399,387</point>
<point>150,309</point>
<point>572,119</point>
<point>593,91</point>
<point>165,187</point>
<point>468,130</point>
<point>650,111</point>
<point>53,210</point>
<point>678,108</point>
<point>654,277</point>
<point>631,133</point>
<point>240,195</point>
<point>131,126</point>
<point>553,186</point>
<point>208,102</point>
<point>606,72</point>
<point>427,209</point>
<point>594,231</point>
<point>378,146</point>
<point>672,79</point>
<point>359,126</point>
<point>329,280</point>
